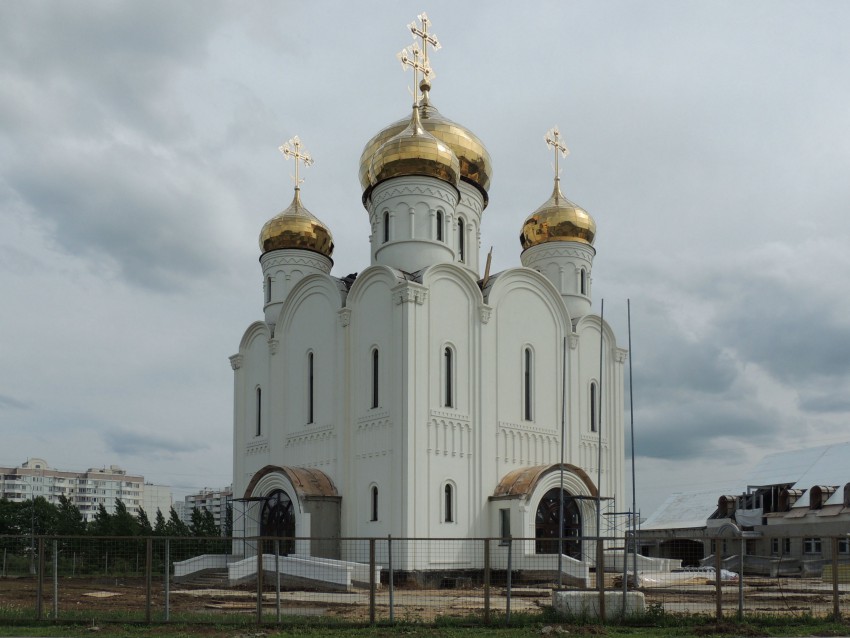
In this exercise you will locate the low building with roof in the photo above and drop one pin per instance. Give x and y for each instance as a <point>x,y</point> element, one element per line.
<point>787,511</point>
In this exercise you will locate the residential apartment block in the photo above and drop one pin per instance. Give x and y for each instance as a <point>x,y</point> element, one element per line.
<point>87,490</point>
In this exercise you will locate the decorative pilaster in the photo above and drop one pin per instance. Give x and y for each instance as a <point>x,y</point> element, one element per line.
<point>236,361</point>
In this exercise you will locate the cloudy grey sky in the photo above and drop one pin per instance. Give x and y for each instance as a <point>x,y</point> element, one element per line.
<point>138,162</point>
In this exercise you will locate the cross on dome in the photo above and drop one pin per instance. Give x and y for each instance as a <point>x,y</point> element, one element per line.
<point>293,149</point>
<point>553,140</point>
<point>412,57</point>
<point>427,38</point>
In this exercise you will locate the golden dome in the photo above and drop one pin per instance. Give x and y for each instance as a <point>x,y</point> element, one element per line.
<point>475,165</point>
<point>296,227</point>
<point>413,151</point>
<point>558,219</point>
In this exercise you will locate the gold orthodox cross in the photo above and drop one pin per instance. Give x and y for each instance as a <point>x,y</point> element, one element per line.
<point>553,139</point>
<point>294,150</point>
<point>427,38</point>
<point>411,57</point>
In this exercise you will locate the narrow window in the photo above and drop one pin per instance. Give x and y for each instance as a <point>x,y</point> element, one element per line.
<point>786,545</point>
<point>268,289</point>
<point>461,240</point>
<point>593,415</point>
<point>449,377</point>
<point>505,525</point>
<point>375,378</point>
<point>583,281</point>
<point>774,546</point>
<point>843,546</point>
<point>374,504</point>
<point>439,225</point>
<point>527,380</point>
<point>310,389</point>
<point>386,227</point>
<point>259,429</point>
<point>448,504</point>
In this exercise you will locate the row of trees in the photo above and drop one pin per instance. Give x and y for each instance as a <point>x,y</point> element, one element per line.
<point>39,517</point>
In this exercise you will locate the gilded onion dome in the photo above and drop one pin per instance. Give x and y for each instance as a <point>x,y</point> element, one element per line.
<point>473,158</point>
<point>296,227</point>
<point>413,151</point>
<point>558,219</point>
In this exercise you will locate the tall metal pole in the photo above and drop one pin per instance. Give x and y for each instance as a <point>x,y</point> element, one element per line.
<point>600,550</point>
<point>563,441</point>
<point>632,420</point>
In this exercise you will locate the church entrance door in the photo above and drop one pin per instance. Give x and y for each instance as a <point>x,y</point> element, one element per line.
<point>277,521</point>
<point>546,524</point>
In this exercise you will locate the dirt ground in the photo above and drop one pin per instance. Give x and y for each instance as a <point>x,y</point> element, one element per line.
<point>126,599</point>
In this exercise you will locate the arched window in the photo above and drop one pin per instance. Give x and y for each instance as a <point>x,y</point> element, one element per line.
<point>448,377</point>
<point>386,227</point>
<point>310,389</point>
<point>373,496</point>
<point>527,383</point>
<point>439,225</point>
<point>259,429</point>
<point>583,281</point>
<point>594,412</point>
<point>268,289</point>
<point>448,504</point>
<point>375,377</point>
<point>461,240</point>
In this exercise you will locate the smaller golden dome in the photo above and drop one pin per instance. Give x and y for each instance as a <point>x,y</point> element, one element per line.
<point>413,151</point>
<point>475,164</point>
<point>558,219</point>
<point>296,227</point>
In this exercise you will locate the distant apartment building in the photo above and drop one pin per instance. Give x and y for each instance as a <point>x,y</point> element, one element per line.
<point>87,490</point>
<point>156,497</point>
<point>215,501</point>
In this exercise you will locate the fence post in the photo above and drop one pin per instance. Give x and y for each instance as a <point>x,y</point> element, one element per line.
<point>390,583</point>
<point>55,580</point>
<point>40,579</point>
<point>508,592</point>
<point>718,582</point>
<point>836,610</point>
<point>372,585</point>
<point>166,568</point>
<point>626,572</point>
<point>277,578</point>
<point>148,577</point>
<point>600,574</point>
<point>741,579</point>
<point>259,581</point>
<point>487,580</point>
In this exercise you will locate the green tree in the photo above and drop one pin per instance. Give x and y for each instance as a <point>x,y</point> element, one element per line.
<point>10,518</point>
<point>69,520</point>
<point>145,528</point>
<point>160,527</point>
<point>203,523</point>
<point>176,527</point>
<point>227,526</point>
<point>123,523</point>
<point>102,523</point>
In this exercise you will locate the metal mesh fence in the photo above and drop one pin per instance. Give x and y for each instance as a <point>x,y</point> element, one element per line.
<point>386,580</point>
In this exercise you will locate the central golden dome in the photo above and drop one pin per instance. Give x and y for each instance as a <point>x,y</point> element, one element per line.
<point>413,151</point>
<point>296,227</point>
<point>558,219</point>
<point>474,160</point>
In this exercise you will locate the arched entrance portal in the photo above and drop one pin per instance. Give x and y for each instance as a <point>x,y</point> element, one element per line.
<point>546,524</point>
<point>278,521</point>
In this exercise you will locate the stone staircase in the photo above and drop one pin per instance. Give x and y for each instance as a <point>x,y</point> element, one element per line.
<point>206,579</point>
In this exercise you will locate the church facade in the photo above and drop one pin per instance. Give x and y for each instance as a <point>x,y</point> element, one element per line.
<point>421,397</point>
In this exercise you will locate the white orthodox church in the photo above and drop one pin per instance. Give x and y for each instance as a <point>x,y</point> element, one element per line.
<point>423,398</point>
